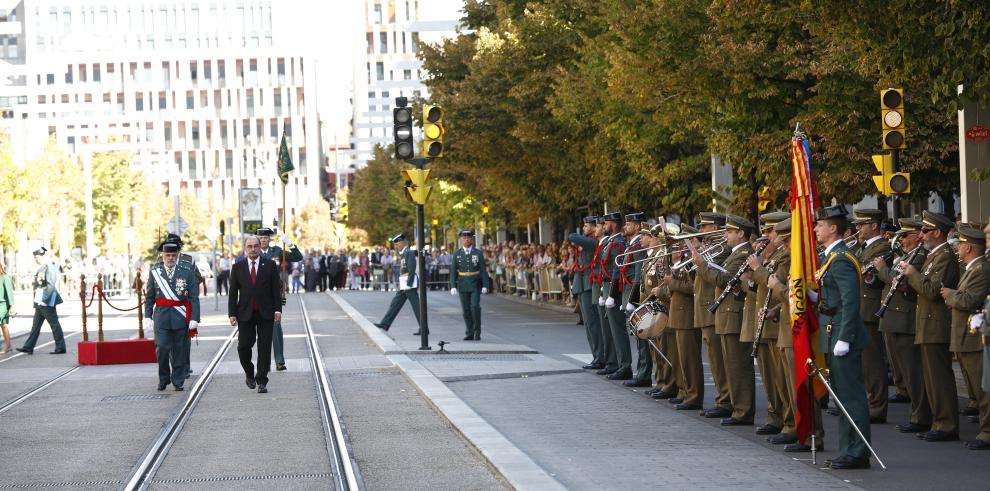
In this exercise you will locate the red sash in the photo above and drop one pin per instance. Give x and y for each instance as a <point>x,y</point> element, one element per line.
<point>164,302</point>
<point>576,268</point>
<point>595,277</point>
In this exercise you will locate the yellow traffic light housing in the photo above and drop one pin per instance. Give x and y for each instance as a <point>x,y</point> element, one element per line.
<point>432,131</point>
<point>763,198</point>
<point>892,114</point>
<point>415,181</point>
<point>484,207</point>
<point>890,182</point>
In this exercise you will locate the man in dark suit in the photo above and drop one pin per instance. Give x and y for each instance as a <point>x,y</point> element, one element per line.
<point>254,305</point>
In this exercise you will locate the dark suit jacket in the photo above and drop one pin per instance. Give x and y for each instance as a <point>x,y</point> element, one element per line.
<point>267,290</point>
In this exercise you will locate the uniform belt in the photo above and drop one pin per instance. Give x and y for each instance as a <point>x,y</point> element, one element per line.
<point>468,273</point>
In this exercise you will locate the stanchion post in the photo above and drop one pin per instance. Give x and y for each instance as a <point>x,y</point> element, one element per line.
<point>99,306</point>
<point>137,287</point>
<point>82,298</point>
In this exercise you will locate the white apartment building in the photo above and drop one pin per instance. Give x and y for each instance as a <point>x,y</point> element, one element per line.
<point>198,90</point>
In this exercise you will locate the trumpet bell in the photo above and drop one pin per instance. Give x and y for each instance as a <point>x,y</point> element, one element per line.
<point>662,229</point>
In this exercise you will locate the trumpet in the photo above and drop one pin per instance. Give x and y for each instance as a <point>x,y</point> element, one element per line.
<point>851,240</point>
<point>620,259</point>
<point>718,234</point>
<point>712,251</point>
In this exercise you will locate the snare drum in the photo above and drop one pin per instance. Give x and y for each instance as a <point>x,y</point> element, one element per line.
<point>649,320</point>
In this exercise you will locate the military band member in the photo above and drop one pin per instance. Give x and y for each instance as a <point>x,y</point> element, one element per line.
<point>598,300</point>
<point>630,279</point>
<point>667,377</point>
<point>741,377</point>
<point>172,303</point>
<point>274,252</point>
<point>766,358</point>
<point>407,284</point>
<point>611,299</point>
<point>933,322</point>
<point>838,301</point>
<point>687,334</point>
<point>469,280</point>
<point>964,301</point>
<point>871,246</point>
<point>979,327</point>
<point>581,287</point>
<point>898,327</point>
<point>704,296</point>
<point>46,301</point>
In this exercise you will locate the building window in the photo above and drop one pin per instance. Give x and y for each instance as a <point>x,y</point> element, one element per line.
<point>229,161</point>
<point>161,101</point>
<point>189,100</point>
<point>407,74</point>
<point>382,42</point>
<point>50,79</point>
<point>96,73</point>
<point>193,168</point>
<point>281,72</point>
<point>68,76</point>
<point>278,102</point>
<point>195,135</point>
<point>380,71</point>
<point>139,102</point>
<point>377,18</point>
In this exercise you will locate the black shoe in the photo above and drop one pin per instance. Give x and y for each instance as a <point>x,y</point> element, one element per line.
<point>768,429</point>
<point>730,421</point>
<point>618,375</point>
<point>898,398</point>
<point>687,407</point>
<point>605,371</point>
<point>782,439</point>
<point>663,395</point>
<point>162,386</point>
<point>978,444</point>
<point>280,367</point>
<point>477,336</point>
<point>637,383</point>
<point>675,400</point>
<point>718,412</point>
<point>188,374</point>
<point>877,420</point>
<point>800,447</point>
<point>382,327</point>
<point>179,388</point>
<point>970,411</point>
<point>23,350</point>
<point>250,382</point>
<point>846,462</point>
<point>262,389</point>
<point>940,436</point>
<point>913,428</point>
<point>416,333</point>
<point>469,338</point>
<point>593,366</point>
<point>57,352</point>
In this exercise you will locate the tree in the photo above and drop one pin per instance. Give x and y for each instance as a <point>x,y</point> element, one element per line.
<point>376,201</point>
<point>313,227</point>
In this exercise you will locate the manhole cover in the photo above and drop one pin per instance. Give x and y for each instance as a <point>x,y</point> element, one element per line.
<point>135,397</point>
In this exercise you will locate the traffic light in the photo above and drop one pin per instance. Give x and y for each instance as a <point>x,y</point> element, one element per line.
<point>763,198</point>
<point>484,207</point>
<point>416,189</point>
<point>892,111</point>
<point>432,131</point>
<point>890,182</point>
<point>342,211</point>
<point>402,129</point>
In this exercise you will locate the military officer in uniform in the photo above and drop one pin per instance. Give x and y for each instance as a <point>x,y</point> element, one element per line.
<point>728,321</point>
<point>965,300</point>
<point>46,300</point>
<point>978,326</point>
<point>598,300</point>
<point>898,326</point>
<point>687,335</point>
<point>581,287</point>
<point>407,284</point>
<point>611,299</point>
<point>668,379</point>
<point>469,280</point>
<point>846,337</point>
<point>933,323</point>
<point>292,255</point>
<point>871,246</point>
<point>629,284</point>
<point>704,296</point>
<point>172,303</point>
<point>185,261</point>
<point>761,319</point>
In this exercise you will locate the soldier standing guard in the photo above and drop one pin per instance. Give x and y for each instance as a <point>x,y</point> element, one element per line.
<point>615,244</point>
<point>629,285</point>
<point>872,246</point>
<point>469,280</point>
<point>172,303</point>
<point>407,284</point>
<point>46,299</point>
<point>274,253</point>
<point>598,300</point>
<point>581,290</point>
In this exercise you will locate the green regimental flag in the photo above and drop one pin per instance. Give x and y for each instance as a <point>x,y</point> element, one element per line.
<point>284,160</point>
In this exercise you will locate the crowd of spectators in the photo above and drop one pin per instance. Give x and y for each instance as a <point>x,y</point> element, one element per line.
<point>540,272</point>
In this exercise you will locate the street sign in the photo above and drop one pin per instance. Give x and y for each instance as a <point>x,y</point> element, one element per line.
<point>978,133</point>
<point>177,226</point>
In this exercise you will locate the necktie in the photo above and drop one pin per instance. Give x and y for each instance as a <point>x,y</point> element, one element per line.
<point>253,273</point>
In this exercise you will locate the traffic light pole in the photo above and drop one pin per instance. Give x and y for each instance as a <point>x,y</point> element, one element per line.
<point>424,325</point>
<point>895,164</point>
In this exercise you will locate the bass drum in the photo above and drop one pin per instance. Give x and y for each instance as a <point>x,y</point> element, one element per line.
<point>649,320</point>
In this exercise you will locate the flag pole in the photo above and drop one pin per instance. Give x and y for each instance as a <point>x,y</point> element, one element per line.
<point>285,232</point>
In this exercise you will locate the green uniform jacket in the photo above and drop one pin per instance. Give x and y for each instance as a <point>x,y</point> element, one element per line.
<point>729,316</point>
<point>941,268</point>
<point>613,246</point>
<point>407,265</point>
<point>630,293</point>
<point>467,271</point>
<point>872,292</point>
<point>582,274</point>
<point>44,286</point>
<point>838,302</point>
<point>900,314</point>
<point>183,286</point>
<point>967,299</point>
<point>274,253</point>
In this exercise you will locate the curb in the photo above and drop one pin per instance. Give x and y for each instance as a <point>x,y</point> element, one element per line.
<point>517,468</point>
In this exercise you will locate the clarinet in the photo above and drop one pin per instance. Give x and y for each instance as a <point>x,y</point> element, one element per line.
<point>895,283</point>
<point>763,317</point>
<point>734,281</point>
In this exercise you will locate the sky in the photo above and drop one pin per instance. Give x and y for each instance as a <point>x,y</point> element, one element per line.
<point>328,30</point>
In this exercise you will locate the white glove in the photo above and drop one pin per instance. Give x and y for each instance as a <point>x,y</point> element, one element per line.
<point>484,291</point>
<point>609,303</point>
<point>601,301</point>
<point>193,324</point>
<point>813,296</point>
<point>286,243</point>
<point>841,348</point>
<point>977,320</point>
<point>629,307</point>
<point>453,291</point>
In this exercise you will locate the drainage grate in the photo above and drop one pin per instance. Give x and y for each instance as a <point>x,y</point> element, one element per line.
<point>479,357</point>
<point>273,477</point>
<point>364,372</point>
<point>77,484</point>
<point>135,397</point>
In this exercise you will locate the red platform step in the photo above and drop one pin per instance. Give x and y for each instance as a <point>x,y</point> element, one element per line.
<point>117,352</point>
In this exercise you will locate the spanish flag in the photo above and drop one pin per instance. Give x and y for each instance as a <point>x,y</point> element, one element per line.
<point>804,263</point>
